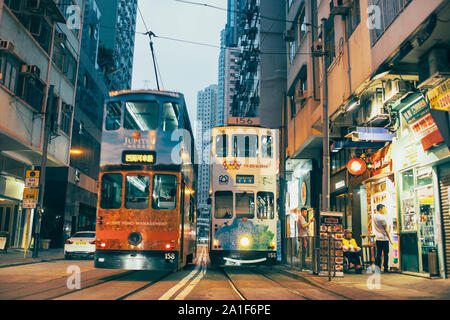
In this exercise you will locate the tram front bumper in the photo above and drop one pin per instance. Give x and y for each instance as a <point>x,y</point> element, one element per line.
<point>241,257</point>
<point>136,260</point>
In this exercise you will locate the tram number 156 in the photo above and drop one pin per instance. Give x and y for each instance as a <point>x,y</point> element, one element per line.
<point>169,256</point>
<point>272,254</point>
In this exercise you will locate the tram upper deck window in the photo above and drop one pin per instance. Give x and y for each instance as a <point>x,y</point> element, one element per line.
<point>245,145</point>
<point>265,205</point>
<point>223,205</point>
<point>113,115</point>
<point>111,191</point>
<point>137,191</point>
<point>141,115</point>
<point>266,146</point>
<point>164,192</point>
<point>170,116</point>
<point>221,145</point>
<point>245,205</point>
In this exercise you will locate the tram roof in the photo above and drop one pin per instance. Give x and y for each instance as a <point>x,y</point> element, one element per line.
<point>160,92</point>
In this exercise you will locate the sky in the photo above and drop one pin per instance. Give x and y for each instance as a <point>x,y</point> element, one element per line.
<point>184,67</point>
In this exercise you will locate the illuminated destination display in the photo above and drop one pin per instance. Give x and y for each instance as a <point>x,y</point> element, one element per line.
<point>140,157</point>
<point>247,179</point>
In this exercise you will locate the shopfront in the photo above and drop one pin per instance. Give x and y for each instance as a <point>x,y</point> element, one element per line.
<point>418,154</point>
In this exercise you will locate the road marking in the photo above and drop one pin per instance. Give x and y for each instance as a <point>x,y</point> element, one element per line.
<point>194,282</point>
<point>180,284</point>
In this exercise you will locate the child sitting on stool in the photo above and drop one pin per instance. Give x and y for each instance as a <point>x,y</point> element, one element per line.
<point>351,250</point>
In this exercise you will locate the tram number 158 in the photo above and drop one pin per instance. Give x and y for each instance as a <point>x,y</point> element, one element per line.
<point>169,256</point>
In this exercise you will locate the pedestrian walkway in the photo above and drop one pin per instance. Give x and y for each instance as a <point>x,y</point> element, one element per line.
<point>384,286</point>
<point>16,257</point>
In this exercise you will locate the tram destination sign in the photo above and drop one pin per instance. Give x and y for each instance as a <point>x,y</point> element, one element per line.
<point>138,157</point>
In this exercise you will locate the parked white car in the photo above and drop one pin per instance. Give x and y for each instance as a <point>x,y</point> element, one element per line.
<point>80,244</point>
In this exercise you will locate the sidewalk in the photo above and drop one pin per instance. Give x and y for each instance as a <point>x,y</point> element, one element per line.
<point>15,257</point>
<point>391,286</point>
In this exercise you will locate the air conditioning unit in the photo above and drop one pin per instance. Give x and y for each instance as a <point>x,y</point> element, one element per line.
<point>31,70</point>
<point>32,4</point>
<point>376,114</point>
<point>396,89</point>
<point>289,35</point>
<point>433,68</point>
<point>60,37</point>
<point>340,7</point>
<point>301,95</point>
<point>6,45</point>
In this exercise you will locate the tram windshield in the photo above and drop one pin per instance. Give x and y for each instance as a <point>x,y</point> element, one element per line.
<point>111,191</point>
<point>223,204</point>
<point>141,115</point>
<point>170,116</point>
<point>164,192</point>
<point>265,205</point>
<point>245,205</point>
<point>137,191</point>
<point>221,145</point>
<point>113,116</point>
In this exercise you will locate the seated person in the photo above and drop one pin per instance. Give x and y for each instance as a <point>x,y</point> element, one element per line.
<point>351,250</point>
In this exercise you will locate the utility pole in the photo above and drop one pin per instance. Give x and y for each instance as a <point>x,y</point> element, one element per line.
<point>39,210</point>
<point>326,128</point>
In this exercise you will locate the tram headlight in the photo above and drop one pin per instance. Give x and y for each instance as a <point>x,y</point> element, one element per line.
<point>215,243</point>
<point>272,244</point>
<point>245,242</point>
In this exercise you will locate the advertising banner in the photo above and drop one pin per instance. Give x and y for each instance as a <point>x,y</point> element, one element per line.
<point>331,252</point>
<point>439,97</point>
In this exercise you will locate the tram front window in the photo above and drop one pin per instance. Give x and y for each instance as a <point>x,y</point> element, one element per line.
<point>137,191</point>
<point>223,205</point>
<point>164,192</point>
<point>141,115</point>
<point>266,146</point>
<point>171,113</point>
<point>221,145</point>
<point>245,205</point>
<point>113,116</point>
<point>265,205</point>
<point>245,145</point>
<point>111,192</point>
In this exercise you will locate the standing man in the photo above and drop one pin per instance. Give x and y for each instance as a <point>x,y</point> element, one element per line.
<point>382,236</point>
<point>302,227</point>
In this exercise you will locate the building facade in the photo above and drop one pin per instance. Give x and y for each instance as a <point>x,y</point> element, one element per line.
<point>386,69</point>
<point>39,54</point>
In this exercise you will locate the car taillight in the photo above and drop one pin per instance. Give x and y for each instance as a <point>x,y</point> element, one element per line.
<point>68,242</point>
<point>92,242</point>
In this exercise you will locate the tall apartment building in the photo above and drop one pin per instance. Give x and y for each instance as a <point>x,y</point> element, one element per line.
<point>71,197</point>
<point>206,109</point>
<point>259,89</point>
<point>387,73</point>
<point>231,75</point>
<point>117,36</point>
<point>219,117</point>
<point>39,53</point>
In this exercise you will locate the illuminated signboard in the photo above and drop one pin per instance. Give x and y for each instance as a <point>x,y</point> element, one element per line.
<point>244,121</point>
<point>139,157</point>
<point>245,179</point>
<point>356,166</point>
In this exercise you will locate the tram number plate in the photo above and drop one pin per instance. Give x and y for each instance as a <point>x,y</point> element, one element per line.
<point>169,256</point>
<point>272,254</point>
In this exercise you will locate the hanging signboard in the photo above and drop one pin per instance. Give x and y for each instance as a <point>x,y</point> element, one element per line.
<point>439,97</point>
<point>381,161</point>
<point>331,257</point>
<point>421,122</point>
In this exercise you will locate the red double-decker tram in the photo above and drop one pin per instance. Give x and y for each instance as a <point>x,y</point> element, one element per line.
<point>146,218</point>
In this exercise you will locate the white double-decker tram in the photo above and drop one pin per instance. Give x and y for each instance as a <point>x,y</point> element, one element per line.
<point>244,171</point>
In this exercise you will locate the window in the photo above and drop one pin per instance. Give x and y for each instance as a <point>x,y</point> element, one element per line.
<point>245,205</point>
<point>223,204</point>
<point>221,146</point>
<point>164,192</point>
<point>302,26</point>
<point>329,34</point>
<point>266,146</point>
<point>137,191</point>
<point>66,118</point>
<point>9,72</point>
<point>33,91</point>
<point>265,204</point>
<point>141,115</point>
<point>113,116</point>
<point>111,191</point>
<point>170,116</point>
<point>245,145</point>
<point>353,19</point>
